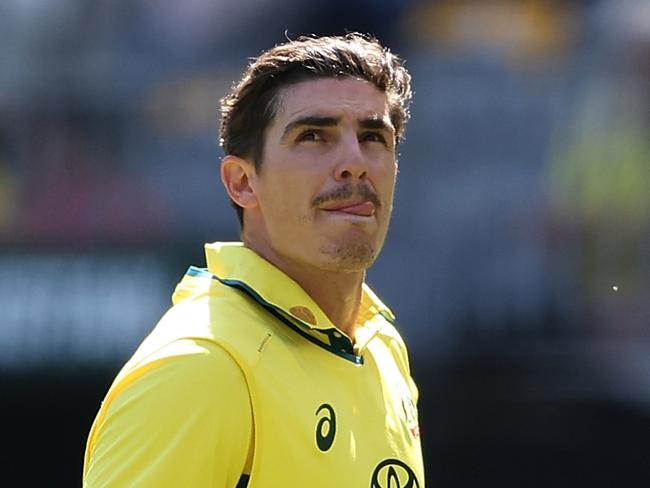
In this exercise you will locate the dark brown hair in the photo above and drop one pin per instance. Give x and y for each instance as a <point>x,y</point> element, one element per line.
<point>252,103</point>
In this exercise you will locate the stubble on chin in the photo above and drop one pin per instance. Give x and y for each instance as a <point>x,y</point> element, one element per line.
<point>350,257</point>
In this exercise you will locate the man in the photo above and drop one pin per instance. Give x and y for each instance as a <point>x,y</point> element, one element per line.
<point>277,366</point>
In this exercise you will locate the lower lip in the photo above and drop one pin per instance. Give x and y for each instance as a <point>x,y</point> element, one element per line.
<point>349,215</point>
<point>365,209</point>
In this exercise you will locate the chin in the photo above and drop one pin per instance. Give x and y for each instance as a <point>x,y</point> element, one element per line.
<point>350,257</point>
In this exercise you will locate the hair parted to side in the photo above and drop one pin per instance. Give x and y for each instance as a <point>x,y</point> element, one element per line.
<point>250,107</point>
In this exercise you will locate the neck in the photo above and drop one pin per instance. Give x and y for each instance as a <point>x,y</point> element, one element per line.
<point>337,293</point>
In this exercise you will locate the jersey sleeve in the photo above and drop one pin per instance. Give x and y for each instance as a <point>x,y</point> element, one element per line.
<point>181,418</point>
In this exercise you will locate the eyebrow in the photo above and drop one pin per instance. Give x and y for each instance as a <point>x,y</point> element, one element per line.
<point>372,122</point>
<point>376,122</point>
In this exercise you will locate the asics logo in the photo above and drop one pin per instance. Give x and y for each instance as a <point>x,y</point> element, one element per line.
<point>326,427</point>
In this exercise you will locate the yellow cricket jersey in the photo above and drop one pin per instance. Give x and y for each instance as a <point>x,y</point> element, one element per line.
<point>246,382</point>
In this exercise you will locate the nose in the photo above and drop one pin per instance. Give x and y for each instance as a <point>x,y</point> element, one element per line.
<point>352,164</point>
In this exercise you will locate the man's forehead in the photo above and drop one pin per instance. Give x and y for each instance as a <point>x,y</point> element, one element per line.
<point>332,97</point>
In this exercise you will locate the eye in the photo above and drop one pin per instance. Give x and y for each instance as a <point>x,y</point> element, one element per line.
<point>373,137</point>
<point>310,135</point>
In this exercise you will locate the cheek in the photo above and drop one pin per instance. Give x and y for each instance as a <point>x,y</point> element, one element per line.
<point>387,177</point>
<point>289,199</point>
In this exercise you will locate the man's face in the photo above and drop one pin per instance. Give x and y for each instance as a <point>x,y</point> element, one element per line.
<point>325,186</point>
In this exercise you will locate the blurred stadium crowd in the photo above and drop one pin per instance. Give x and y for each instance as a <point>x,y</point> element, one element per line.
<point>520,245</point>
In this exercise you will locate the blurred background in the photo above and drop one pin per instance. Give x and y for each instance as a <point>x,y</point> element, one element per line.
<point>518,262</point>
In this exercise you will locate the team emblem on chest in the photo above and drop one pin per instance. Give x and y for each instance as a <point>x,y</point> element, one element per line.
<point>393,473</point>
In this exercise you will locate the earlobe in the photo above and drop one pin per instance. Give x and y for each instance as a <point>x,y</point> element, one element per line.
<point>236,176</point>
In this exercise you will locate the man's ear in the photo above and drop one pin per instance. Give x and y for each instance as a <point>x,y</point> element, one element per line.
<point>236,174</point>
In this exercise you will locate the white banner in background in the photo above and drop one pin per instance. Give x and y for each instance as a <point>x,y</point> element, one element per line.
<point>78,309</point>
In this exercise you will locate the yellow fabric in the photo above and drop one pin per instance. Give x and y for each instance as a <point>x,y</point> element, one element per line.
<point>223,387</point>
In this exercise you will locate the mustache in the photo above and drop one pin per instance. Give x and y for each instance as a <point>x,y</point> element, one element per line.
<point>346,191</point>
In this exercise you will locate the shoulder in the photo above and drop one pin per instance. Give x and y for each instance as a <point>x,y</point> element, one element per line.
<point>182,372</point>
<point>391,338</point>
<point>390,334</point>
<point>222,327</point>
